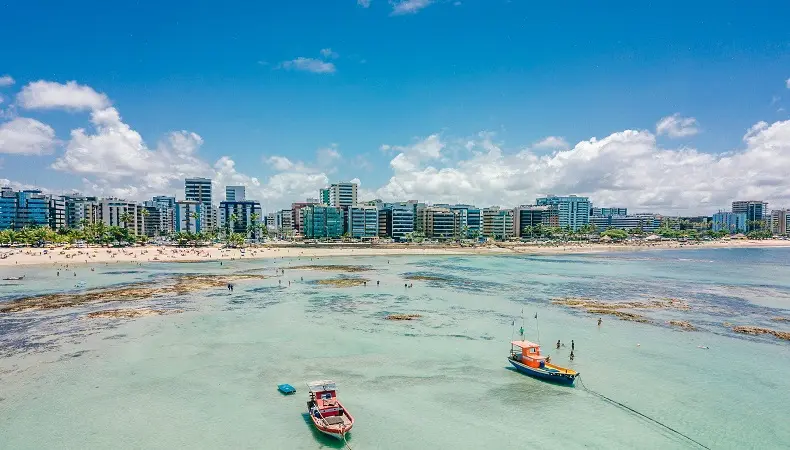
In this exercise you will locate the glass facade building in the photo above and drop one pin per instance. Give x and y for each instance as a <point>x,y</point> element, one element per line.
<point>321,221</point>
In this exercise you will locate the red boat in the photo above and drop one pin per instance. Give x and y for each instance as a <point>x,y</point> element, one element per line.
<point>328,414</point>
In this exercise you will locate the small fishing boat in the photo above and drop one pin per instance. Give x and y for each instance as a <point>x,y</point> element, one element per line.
<point>529,361</point>
<point>327,413</point>
<point>286,389</point>
<point>14,278</point>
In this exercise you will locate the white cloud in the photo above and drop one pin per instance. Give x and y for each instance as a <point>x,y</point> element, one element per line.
<point>552,143</point>
<point>22,136</point>
<point>49,95</point>
<point>626,167</point>
<point>308,65</point>
<point>364,3</point>
<point>329,53</point>
<point>6,80</point>
<point>676,126</point>
<point>408,6</point>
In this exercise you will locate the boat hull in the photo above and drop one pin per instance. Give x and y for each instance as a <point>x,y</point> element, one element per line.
<point>553,377</point>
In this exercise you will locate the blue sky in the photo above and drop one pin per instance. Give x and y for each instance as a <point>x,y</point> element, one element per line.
<point>474,75</point>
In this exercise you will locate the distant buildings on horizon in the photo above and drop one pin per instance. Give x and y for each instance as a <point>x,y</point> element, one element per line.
<point>337,212</point>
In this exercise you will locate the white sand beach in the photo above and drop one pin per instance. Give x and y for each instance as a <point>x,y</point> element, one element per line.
<point>74,255</point>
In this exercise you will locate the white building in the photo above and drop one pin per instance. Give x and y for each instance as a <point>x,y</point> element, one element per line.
<point>343,194</point>
<point>113,211</point>
<point>284,223</point>
<point>235,193</point>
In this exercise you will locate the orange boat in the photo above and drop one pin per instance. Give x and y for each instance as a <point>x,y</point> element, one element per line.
<point>529,361</point>
<point>328,414</point>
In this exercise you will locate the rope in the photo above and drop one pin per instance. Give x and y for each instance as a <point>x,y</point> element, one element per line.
<point>346,442</point>
<point>616,403</point>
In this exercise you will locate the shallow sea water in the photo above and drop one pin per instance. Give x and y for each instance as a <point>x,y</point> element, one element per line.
<point>206,378</point>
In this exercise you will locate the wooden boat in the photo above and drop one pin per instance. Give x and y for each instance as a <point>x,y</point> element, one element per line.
<point>14,278</point>
<point>529,361</point>
<point>327,413</point>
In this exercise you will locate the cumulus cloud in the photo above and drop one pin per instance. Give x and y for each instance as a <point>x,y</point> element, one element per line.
<point>329,53</point>
<point>676,126</point>
<point>408,6</point>
<point>364,3</point>
<point>552,143</point>
<point>626,167</point>
<point>50,95</point>
<point>22,136</point>
<point>308,65</point>
<point>6,80</point>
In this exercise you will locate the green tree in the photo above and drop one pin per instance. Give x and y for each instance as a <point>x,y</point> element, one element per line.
<point>615,234</point>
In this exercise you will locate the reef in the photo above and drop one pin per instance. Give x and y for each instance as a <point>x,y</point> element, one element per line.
<point>342,282</point>
<point>332,268</point>
<point>424,278</point>
<point>758,331</point>
<point>178,285</point>
<point>130,313</point>
<point>402,317</point>
<point>683,324</point>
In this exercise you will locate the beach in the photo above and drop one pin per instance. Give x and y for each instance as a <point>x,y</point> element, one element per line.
<point>165,355</point>
<point>74,255</point>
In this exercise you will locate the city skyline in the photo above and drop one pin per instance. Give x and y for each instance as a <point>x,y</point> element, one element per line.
<point>489,111</point>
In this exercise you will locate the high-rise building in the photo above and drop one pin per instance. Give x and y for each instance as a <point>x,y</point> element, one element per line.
<point>284,223</point>
<point>199,190</point>
<point>498,223</point>
<point>322,222</point>
<point>440,223</point>
<point>756,213</point>
<point>780,221</point>
<point>57,213</point>
<point>730,222</point>
<point>166,216</point>
<point>8,202</point>
<point>190,216</point>
<point>396,220</point>
<point>363,221</point>
<point>600,212</point>
<point>527,219</point>
<point>81,210</point>
<point>271,226</point>
<point>241,217</point>
<point>645,221</point>
<point>116,212</point>
<point>296,214</point>
<point>343,194</point>
<point>324,196</point>
<point>235,194</point>
<point>573,212</point>
<point>470,219</point>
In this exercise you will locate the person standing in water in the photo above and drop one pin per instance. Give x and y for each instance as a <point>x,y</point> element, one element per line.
<point>599,321</point>
<point>573,346</point>
<point>571,355</point>
<point>558,344</point>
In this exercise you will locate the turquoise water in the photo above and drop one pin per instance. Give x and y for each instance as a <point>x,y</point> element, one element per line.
<point>207,378</point>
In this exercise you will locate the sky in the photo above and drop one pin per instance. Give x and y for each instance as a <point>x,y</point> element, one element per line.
<point>668,107</point>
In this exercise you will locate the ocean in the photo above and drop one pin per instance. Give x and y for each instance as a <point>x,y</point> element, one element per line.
<point>206,377</point>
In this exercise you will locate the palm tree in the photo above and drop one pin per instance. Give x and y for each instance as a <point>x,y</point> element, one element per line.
<point>126,217</point>
<point>195,216</point>
<point>254,225</point>
<point>233,218</point>
<point>527,230</point>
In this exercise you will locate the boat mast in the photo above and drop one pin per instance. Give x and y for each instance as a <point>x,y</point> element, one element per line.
<point>537,327</point>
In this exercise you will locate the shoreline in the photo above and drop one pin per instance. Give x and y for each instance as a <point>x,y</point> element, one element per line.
<point>28,256</point>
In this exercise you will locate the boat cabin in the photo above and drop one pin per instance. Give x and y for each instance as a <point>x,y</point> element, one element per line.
<point>323,395</point>
<point>529,355</point>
